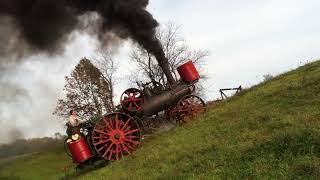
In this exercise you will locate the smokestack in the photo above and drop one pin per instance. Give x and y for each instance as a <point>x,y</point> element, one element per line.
<point>44,26</point>
<point>164,64</point>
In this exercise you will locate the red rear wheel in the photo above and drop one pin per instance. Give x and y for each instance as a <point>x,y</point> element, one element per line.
<point>189,107</point>
<point>116,135</point>
<point>132,100</point>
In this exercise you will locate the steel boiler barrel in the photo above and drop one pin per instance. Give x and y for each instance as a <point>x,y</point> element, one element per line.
<point>165,99</point>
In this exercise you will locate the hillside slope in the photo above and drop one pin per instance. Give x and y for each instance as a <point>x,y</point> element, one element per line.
<point>269,131</point>
<point>51,165</point>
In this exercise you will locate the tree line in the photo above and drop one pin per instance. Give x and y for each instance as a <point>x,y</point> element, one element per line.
<point>25,146</point>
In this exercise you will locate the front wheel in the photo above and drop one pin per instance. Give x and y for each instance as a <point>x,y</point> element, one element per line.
<point>115,136</point>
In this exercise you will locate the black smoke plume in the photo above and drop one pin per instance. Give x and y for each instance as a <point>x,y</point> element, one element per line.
<point>29,27</point>
<point>44,26</point>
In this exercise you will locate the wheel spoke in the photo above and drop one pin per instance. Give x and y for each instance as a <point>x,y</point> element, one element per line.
<point>126,124</point>
<point>135,104</point>
<point>100,148</point>
<point>110,156</point>
<point>98,131</point>
<point>129,146</point>
<point>105,121</point>
<point>111,123</point>
<point>101,142</point>
<point>131,137</point>
<point>117,122</point>
<point>100,137</point>
<point>107,150</point>
<point>125,148</point>
<point>130,107</point>
<point>199,109</point>
<point>132,131</point>
<point>138,99</point>
<point>120,125</point>
<point>120,150</point>
<point>109,126</point>
<point>134,142</point>
<point>117,152</point>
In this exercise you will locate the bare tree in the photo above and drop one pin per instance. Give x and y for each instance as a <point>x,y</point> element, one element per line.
<point>87,91</point>
<point>106,64</point>
<point>267,77</point>
<point>176,50</point>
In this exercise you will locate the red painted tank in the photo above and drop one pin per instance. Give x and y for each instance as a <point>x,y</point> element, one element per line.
<point>80,150</point>
<point>188,72</point>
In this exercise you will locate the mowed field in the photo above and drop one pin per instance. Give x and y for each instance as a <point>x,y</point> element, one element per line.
<point>269,131</point>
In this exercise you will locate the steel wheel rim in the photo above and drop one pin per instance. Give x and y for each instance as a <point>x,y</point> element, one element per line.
<point>190,107</point>
<point>115,136</point>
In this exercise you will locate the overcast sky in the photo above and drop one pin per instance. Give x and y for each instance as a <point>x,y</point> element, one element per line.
<point>246,39</point>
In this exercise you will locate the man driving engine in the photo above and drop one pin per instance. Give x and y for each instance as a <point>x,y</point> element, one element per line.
<point>74,123</point>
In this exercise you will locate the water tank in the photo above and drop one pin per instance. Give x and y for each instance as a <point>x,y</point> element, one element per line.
<point>188,72</point>
<point>80,150</point>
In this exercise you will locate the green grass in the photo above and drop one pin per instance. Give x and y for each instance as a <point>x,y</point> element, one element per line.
<point>269,131</point>
<point>51,165</point>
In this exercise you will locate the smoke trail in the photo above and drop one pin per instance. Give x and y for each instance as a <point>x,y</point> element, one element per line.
<point>11,96</point>
<point>44,26</point>
<point>29,27</point>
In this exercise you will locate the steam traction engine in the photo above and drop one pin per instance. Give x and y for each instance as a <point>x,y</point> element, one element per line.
<point>119,133</point>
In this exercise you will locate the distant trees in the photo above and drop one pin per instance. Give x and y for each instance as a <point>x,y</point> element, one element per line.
<point>176,50</point>
<point>24,146</point>
<point>58,135</point>
<point>87,90</point>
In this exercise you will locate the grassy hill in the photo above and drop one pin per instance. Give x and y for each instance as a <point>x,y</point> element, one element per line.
<point>51,165</point>
<point>269,131</point>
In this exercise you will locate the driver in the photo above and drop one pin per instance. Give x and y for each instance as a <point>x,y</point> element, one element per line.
<point>74,123</point>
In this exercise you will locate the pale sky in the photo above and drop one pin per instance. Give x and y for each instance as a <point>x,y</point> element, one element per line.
<point>246,39</point>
